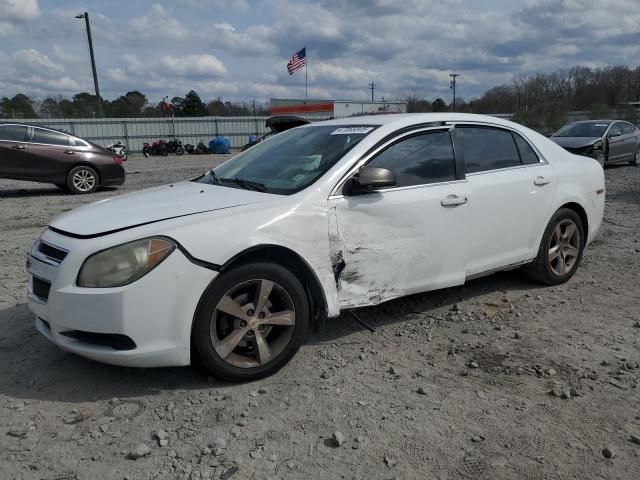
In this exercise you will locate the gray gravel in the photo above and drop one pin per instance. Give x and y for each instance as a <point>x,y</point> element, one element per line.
<point>62,416</point>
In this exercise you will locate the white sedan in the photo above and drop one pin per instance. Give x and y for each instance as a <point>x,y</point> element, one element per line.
<point>237,265</point>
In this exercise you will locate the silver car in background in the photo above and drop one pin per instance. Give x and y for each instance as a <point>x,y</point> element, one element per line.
<point>608,141</point>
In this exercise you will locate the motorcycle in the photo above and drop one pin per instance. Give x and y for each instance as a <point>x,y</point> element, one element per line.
<point>118,149</point>
<point>155,148</point>
<point>190,149</point>
<point>201,149</point>
<point>175,146</point>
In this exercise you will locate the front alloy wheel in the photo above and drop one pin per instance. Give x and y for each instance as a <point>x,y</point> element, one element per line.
<point>601,159</point>
<point>251,321</point>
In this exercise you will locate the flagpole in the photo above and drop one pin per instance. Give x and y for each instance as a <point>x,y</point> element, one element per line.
<point>306,77</point>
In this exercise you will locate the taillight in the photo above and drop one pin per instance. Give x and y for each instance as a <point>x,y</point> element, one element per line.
<point>117,159</point>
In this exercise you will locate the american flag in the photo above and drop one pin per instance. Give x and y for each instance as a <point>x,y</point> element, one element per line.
<point>298,61</point>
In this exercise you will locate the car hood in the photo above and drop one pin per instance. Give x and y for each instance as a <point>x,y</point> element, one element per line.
<point>152,205</point>
<point>574,142</point>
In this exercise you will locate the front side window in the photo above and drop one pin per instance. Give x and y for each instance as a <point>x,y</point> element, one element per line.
<point>51,138</point>
<point>419,159</point>
<point>487,148</point>
<point>13,133</point>
<point>290,161</point>
<point>616,130</point>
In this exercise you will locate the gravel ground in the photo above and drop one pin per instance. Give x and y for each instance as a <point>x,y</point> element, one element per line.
<point>452,384</point>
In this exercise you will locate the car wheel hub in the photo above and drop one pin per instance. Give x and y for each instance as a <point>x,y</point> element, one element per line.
<point>83,180</point>
<point>253,323</point>
<point>564,247</point>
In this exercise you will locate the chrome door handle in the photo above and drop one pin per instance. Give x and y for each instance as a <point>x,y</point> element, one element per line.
<point>453,200</point>
<point>70,152</point>
<point>19,147</point>
<point>541,181</point>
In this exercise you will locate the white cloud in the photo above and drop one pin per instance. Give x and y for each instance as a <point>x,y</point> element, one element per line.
<point>31,60</point>
<point>205,65</point>
<point>19,10</point>
<point>158,23</point>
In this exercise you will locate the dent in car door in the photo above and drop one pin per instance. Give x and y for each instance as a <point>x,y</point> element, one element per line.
<point>399,241</point>
<point>616,142</point>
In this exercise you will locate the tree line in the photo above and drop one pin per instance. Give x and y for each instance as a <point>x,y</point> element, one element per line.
<point>539,100</point>
<point>543,100</point>
<point>132,104</point>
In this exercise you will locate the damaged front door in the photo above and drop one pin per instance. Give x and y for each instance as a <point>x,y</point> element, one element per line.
<point>408,238</point>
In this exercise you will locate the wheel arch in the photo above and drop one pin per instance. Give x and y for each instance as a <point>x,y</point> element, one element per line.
<point>582,213</point>
<point>296,264</point>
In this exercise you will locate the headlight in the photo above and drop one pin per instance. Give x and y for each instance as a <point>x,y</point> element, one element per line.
<point>124,264</point>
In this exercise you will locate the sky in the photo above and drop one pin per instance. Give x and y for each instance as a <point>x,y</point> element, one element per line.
<point>238,49</point>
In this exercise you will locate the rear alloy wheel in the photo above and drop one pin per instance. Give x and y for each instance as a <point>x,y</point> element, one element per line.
<point>561,249</point>
<point>251,322</point>
<point>82,179</point>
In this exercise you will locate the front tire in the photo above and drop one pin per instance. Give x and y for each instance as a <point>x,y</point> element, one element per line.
<point>636,158</point>
<point>561,249</point>
<point>82,180</point>
<point>251,321</point>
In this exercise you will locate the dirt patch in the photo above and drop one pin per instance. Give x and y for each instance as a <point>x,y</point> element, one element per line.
<point>406,398</point>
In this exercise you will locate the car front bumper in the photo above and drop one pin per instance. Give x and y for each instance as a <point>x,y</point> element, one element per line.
<point>144,324</point>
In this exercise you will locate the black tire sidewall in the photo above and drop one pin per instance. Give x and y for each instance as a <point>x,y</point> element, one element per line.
<point>72,187</point>
<point>221,285</point>
<point>542,262</point>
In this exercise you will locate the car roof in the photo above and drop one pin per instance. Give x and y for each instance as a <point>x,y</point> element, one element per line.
<point>604,120</point>
<point>37,126</point>
<point>412,118</point>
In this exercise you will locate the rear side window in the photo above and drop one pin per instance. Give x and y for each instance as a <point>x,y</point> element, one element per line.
<point>627,128</point>
<point>420,159</point>
<point>487,148</point>
<point>13,133</point>
<point>49,137</point>
<point>527,155</point>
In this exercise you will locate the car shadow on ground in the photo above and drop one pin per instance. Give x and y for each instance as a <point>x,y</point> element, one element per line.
<point>31,368</point>
<point>43,191</point>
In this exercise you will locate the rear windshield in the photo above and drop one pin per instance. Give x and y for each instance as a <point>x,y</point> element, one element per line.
<point>290,161</point>
<point>591,129</point>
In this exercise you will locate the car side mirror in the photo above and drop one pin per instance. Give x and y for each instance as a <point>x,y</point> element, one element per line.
<point>368,179</point>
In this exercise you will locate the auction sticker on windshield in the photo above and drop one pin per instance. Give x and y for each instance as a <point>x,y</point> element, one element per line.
<point>351,130</point>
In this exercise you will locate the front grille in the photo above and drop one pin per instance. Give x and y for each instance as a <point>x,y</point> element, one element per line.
<point>113,340</point>
<point>52,252</point>
<point>41,288</point>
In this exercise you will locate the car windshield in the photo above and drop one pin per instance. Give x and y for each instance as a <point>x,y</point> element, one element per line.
<point>586,129</point>
<point>290,161</point>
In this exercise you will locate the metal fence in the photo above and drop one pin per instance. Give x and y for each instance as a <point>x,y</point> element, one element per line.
<point>133,132</point>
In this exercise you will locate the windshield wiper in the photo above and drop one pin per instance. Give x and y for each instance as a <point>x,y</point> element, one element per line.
<point>214,177</point>
<point>258,187</point>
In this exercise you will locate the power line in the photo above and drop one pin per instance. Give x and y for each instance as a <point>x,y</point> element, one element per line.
<point>453,87</point>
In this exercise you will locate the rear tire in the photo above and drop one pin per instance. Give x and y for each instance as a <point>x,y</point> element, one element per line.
<point>82,180</point>
<point>636,158</point>
<point>561,249</point>
<point>260,336</point>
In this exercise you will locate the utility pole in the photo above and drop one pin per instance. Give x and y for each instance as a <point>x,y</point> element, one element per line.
<point>372,87</point>
<point>85,15</point>
<point>453,87</point>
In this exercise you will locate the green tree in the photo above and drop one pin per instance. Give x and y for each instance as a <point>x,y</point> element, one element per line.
<point>20,106</point>
<point>131,104</point>
<point>193,106</point>
<point>438,105</point>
